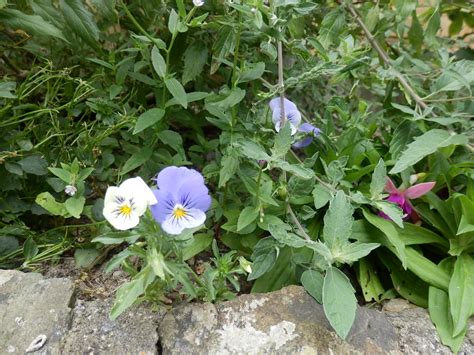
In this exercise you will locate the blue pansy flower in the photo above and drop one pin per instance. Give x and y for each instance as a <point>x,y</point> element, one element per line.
<point>293,115</point>
<point>291,112</point>
<point>182,198</point>
<point>310,131</point>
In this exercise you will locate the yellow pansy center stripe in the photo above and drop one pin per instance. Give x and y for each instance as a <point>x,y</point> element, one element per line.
<point>126,210</point>
<point>179,212</point>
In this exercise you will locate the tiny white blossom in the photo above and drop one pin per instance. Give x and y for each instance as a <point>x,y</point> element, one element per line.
<point>124,205</point>
<point>254,10</point>
<point>198,3</point>
<point>70,190</point>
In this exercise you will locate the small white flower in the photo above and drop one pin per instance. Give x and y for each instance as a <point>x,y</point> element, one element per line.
<point>70,190</point>
<point>253,9</point>
<point>198,3</point>
<point>124,205</point>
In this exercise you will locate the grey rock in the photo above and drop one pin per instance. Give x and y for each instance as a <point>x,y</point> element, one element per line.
<point>93,332</point>
<point>31,306</point>
<point>288,321</point>
<point>417,334</point>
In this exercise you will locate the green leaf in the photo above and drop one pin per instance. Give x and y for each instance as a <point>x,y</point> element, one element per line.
<point>246,217</point>
<point>158,62</point>
<point>3,3</point>
<point>30,249</point>
<point>33,24</point>
<point>229,165</point>
<point>262,264</point>
<point>354,251</point>
<point>392,210</point>
<point>369,281</point>
<point>338,222</point>
<point>84,258</point>
<point>379,180</point>
<point>49,203</point>
<point>321,195</point>
<point>253,150</point>
<point>177,90</point>
<point>461,292</point>
<point>173,22</point>
<point>332,26</point>
<point>195,57</point>
<point>402,135</point>
<point>283,141</point>
<point>63,174</point>
<point>233,98</point>
<point>388,229</point>
<point>199,243</point>
<point>284,237</point>
<point>136,160</point>
<point>80,21</point>
<point>441,317</point>
<point>117,260</point>
<point>129,292</point>
<point>148,118</point>
<point>34,164</point>
<point>75,205</point>
<point>253,72</point>
<point>339,301</point>
<point>426,144</point>
<point>415,34</point>
<point>312,281</point>
<point>426,270</point>
<point>295,169</point>
<point>433,25</point>
<point>8,244</point>
<point>157,262</point>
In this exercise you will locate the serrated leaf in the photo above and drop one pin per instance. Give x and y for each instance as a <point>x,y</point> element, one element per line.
<point>148,118</point>
<point>80,21</point>
<point>379,179</point>
<point>332,26</point>
<point>177,90</point>
<point>339,301</point>
<point>312,281</point>
<point>426,144</point>
<point>195,57</point>
<point>338,222</point>
<point>158,62</point>
<point>33,24</point>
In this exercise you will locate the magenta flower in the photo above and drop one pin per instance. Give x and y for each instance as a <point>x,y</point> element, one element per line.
<point>403,197</point>
<point>182,198</point>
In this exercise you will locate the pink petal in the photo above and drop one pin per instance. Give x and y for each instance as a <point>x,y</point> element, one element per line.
<point>390,187</point>
<point>419,190</point>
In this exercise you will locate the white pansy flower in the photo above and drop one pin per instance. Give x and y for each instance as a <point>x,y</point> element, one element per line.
<point>198,2</point>
<point>70,190</point>
<point>124,205</point>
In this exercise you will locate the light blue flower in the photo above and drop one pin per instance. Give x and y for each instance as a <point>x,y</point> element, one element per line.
<point>291,112</point>
<point>182,198</point>
<point>310,131</point>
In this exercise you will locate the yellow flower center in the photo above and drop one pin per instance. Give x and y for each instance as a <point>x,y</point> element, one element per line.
<point>126,210</point>
<point>179,212</point>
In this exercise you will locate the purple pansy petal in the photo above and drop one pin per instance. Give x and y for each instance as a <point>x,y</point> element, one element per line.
<point>171,178</point>
<point>303,143</point>
<point>419,190</point>
<point>165,205</point>
<point>194,195</point>
<point>291,112</point>
<point>194,218</point>
<point>288,105</point>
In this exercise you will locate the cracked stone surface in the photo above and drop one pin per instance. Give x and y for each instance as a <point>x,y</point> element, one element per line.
<point>417,334</point>
<point>281,322</point>
<point>31,306</point>
<point>93,332</point>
